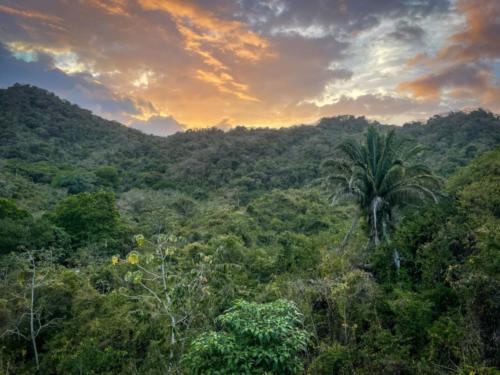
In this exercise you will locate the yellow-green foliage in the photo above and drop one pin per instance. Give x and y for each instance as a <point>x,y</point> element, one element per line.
<point>238,216</point>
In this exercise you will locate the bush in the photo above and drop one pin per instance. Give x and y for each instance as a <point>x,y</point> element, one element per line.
<point>254,339</point>
<point>89,217</point>
<point>334,360</point>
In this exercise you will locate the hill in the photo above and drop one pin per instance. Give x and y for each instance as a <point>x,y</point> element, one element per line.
<point>220,252</point>
<point>37,128</point>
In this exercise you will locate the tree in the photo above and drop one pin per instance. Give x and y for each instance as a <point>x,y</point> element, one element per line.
<point>162,290</point>
<point>31,318</point>
<point>107,176</point>
<point>75,182</point>
<point>88,216</point>
<point>379,177</point>
<point>14,226</point>
<point>254,339</point>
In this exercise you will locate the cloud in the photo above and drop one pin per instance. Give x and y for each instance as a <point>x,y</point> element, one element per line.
<point>256,62</point>
<point>408,32</point>
<point>25,13</point>
<point>462,71</point>
<point>200,26</point>
<point>211,37</point>
<point>384,108</point>
<point>339,17</point>
<point>341,74</point>
<point>225,124</point>
<point>113,7</point>
<point>225,83</point>
<point>460,79</point>
<point>159,125</point>
<point>481,38</point>
<point>79,88</point>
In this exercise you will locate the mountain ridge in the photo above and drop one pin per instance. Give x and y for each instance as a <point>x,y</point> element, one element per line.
<point>242,216</point>
<point>38,127</point>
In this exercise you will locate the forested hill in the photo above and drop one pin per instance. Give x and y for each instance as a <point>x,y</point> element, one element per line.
<point>43,136</point>
<point>222,253</point>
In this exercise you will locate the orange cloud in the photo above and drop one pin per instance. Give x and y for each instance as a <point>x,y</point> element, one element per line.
<point>457,78</point>
<point>225,83</point>
<point>460,68</point>
<point>419,58</point>
<point>491,98</point>
<point>481,39</point>
<point>204,26</point>
<point>207,35</point>
<point>204,61</point>
<point>422,88</point>
<point>28,14</point>
<point>114,7</point>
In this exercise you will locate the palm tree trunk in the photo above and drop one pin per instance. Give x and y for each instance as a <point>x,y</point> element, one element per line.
<point>375,207</point>
<point>397,259</point>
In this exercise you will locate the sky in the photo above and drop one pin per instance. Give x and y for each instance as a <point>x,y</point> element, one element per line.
<point>167,65</point>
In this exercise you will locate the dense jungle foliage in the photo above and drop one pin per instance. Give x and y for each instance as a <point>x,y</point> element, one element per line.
<point>339,248</point>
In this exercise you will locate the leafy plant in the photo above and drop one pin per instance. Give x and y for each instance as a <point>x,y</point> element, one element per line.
<point>253,339</point>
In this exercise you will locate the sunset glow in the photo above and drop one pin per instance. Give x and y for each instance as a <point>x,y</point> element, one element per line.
<point>182,64</point>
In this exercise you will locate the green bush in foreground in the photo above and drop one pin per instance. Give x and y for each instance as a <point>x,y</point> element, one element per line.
<point>254,339</point>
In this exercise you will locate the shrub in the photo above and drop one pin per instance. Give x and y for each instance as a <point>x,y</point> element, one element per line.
<point>254,339</point>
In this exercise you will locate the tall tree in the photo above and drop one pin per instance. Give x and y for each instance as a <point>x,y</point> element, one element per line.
<point>380,178</point>
<point>89,216</point>
<point>31,317</point>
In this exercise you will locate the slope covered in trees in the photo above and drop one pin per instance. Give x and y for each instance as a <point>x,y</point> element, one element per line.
<point>42,135</point>
<point>218,253</point>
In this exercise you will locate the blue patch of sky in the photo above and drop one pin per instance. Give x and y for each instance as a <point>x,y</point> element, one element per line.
<point>496,70</point>
<point>26,56</point>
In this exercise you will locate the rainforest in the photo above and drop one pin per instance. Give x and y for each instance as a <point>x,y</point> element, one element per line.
<point>345,247</point>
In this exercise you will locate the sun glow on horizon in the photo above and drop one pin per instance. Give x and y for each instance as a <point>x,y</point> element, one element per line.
<point>256,63</point>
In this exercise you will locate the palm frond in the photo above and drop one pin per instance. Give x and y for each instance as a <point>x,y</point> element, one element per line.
<point>379,176</point>
<point>343,196</point>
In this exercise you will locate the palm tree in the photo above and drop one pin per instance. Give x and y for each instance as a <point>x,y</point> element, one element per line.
<point>380,179</point>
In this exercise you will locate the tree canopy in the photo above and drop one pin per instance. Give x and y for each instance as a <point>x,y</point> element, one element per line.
<point>220,252</point>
